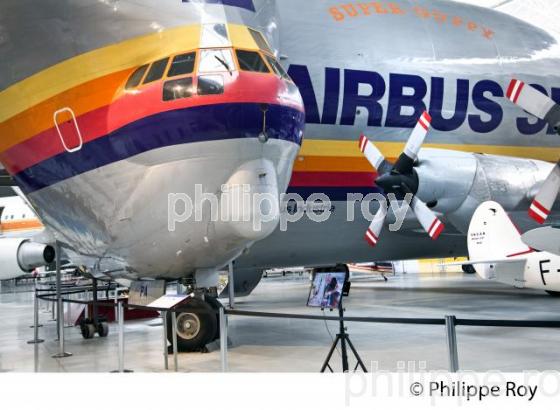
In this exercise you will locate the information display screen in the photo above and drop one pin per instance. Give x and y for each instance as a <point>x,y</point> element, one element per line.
<point>326,289</point>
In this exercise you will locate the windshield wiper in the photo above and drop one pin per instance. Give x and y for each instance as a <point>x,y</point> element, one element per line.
<point>226,65</point>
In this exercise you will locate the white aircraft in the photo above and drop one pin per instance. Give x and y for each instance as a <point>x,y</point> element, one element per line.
<point>498,252</point>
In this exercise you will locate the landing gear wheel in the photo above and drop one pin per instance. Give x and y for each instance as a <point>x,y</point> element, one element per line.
<point>468,269</point>
<point>196,327</point>
<point>103,329</point>
<point>553,293</point>
<point>88,330</point>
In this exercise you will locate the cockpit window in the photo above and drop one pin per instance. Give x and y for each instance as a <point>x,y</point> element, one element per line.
<point>251,61</point>
<point>210,85</point>
<point>278,69</point>
<point>216,61</point>
<point>136,77</point>
<point>182,64</point>
<point>175,89</point>
<point>156,70</point>
<point>259,39</point>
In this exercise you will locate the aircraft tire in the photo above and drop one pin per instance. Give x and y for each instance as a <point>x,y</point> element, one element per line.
<point>196,326</point>
<point>87,330</point>
<point>103,329</point>
<point>553,293</point>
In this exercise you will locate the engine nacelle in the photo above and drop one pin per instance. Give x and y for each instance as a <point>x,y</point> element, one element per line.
<point>458,182</point>
<point>20,256</point>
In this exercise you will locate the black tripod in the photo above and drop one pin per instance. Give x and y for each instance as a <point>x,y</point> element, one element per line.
<point>343,338</point>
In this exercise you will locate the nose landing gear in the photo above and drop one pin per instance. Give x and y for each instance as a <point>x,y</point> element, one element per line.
<point>197,325</point>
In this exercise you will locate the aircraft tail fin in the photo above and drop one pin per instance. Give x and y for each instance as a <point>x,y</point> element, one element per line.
<point>493,235</point>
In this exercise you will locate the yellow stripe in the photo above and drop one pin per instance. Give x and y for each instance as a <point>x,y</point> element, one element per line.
<point>338,148</point>
<point>104,61</point>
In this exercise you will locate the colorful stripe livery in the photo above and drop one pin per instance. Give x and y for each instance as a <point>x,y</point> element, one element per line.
<point>86,119</point>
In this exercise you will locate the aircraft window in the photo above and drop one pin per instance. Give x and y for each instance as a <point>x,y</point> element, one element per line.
<point>260,40</point>
<point>251,61</point>
<point>210,84</point>
<point>175,89</point>
<point>156,70</point>
<point>182,64</point>
<point>278,69</point>
<point>136,77</point>
<point>213,61</point>
<point>214,35</point>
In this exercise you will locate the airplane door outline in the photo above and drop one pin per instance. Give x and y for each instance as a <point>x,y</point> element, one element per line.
<point>55,115</point>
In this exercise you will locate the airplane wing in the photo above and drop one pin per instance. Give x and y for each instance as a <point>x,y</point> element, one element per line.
<point>509,271</point>
<point>545,239</point>
<point>486,262</point>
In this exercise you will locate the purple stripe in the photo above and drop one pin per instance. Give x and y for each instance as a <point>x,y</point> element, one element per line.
<point>244,4</point>
<point>197,124</point>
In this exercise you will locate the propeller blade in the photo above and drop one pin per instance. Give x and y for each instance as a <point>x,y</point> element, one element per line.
<point>373,155</point>
<point>427,218</point>
<point>534,102</point>
<point>405,163</point>
<point>418,136</point>
<point>374,230</point>
<point>543,202</point>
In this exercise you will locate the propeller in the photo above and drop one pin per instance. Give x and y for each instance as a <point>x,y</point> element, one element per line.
<point>543,107</point>
<point>401,179</point>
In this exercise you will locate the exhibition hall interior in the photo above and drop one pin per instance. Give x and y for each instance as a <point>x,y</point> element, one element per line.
<point>270,188</point>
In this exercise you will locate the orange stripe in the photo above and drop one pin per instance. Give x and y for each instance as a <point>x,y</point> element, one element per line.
<point>20,225</point>
<point>81,99</point>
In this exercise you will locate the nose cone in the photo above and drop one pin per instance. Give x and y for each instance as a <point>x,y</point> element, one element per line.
<point>389,182</point>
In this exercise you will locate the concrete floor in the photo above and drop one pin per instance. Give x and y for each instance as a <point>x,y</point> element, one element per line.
<point>285,345</point>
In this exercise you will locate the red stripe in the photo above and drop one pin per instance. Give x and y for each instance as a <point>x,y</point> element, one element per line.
<point>521,85</point>
<point>369,240</point>
<point>433,224</point>
<point>362,143</point>
<point>521,253</point>
<point>427,117</point>
<point>541,207</point>
<point>423,125</point>
<point>129,108</point>
<point>536,216</point>
<point>510,88</point>
<point>438,232</point>
<point>333,179</point>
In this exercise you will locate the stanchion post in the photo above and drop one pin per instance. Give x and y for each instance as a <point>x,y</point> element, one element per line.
<point>451,336</point>
<point>231,286</point>
<point>35,321</point>
<point>120,310</point>
<point>165,349</point>
<point>174,331</point>
<point>223,339</point>
<point>59,311</point>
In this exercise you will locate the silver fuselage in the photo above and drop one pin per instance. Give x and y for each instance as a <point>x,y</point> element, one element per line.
<point>358,70</point>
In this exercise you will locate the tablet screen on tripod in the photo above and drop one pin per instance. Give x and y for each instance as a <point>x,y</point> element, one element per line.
<point>326,289</point>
